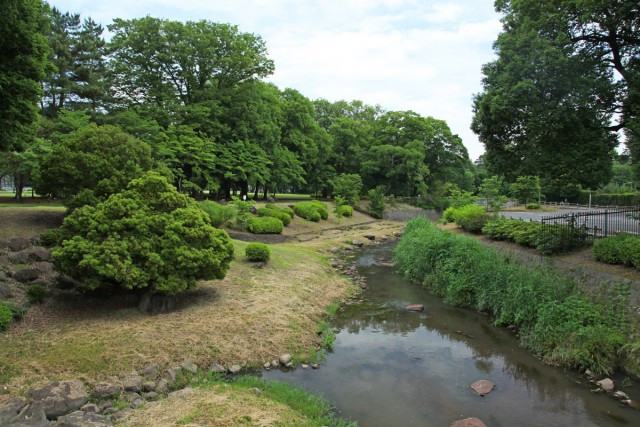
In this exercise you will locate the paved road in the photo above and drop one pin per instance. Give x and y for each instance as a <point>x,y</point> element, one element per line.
<point>613,223</point>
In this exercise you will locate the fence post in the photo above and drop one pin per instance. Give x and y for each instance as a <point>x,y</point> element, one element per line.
<point>606,223</point>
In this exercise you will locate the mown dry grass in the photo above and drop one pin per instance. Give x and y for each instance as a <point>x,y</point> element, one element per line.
<point>251,316</point>
<point>26,221</point>
<point>219,406</point>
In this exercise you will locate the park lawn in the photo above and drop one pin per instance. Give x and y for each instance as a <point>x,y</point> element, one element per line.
<point>250,317</point>
<point>26,221</point>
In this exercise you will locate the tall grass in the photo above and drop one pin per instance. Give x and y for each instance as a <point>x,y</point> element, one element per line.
<point>556,321</point>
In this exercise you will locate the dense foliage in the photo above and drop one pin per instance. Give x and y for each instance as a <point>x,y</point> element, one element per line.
<point>148,237</point>
<point>92,163</point>
<point>470,217</point>
<point>256,251</point>
<point>6,317</point>
<point>566,79</point>
<point>218,214</point>
<point>619,249</point>
<point>343,210</point>
<point>311,211</point>
<point>275,213</point>
<point>556,321</point>
<point>264,225</point>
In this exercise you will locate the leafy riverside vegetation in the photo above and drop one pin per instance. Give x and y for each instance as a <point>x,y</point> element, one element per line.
<point>555,320</point>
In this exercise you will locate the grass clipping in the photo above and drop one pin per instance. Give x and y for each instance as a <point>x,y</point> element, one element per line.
<point>250,317</point>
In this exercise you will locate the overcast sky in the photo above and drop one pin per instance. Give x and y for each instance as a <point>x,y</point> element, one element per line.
<point>420,55</point>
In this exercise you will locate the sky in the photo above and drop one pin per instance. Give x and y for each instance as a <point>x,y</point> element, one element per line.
<point>420,55</point>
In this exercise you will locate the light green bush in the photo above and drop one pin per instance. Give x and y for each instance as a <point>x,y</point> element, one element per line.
<point>218,214</point>
<point>275,213</point>
<point>265,225</point>
<point>533,206</point>
<point>619,249</point>
<point>344,210</point>
<point>258,252</point>
<point>471,218</point>
<point>308,211</point>
<point>322,208</point>
<point>376,202</point>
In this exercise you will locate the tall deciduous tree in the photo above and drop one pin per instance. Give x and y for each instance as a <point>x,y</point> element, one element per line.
<point>23,65</point>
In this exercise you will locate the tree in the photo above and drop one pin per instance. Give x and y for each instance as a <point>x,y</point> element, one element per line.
<point>92,163</point>
<point>169,64</point>
<point>23,65</point>
<point>526,188</point>
<point>147,238</point>
<point>24,166</point>
<point>491,190</point>
<point>566,71</point>
<point>376,202</point>
<point>347,187</point>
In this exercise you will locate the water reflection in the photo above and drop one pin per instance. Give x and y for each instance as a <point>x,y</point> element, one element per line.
<point>395,367</point>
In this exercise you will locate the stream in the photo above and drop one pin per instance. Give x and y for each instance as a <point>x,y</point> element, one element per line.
<point>393,367</point>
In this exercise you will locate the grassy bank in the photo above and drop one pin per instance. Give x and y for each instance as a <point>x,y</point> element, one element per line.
<point>250,317</point>
<point>215,402</point>
<point>555,319</point>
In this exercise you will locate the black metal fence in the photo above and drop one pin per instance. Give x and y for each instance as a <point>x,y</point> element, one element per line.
<point>569,231</point>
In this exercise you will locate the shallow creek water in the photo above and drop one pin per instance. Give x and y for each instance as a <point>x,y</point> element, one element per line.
<point>392,367</point>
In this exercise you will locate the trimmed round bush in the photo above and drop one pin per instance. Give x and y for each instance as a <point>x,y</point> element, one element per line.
<point>149,237</point>
<point>288,211</point>
<point>533,206</point>
<point>275,213</point>
<point>265,225</point>
<point>322,209</point>
<point>344,210</point>
<point>308,211</point>
<point>6,317</point>
<point>257,252</point>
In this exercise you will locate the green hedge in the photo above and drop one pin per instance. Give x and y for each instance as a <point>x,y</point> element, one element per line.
<point>275,213</point>
<point>555,239</point>
<point>533,206</point>
<point>310,211</point>
<point>471,218</point>
<point>284,209</point>
<point>265,225</point>
<point>556,321</point>
<point>257,252</point>
<point>344,210</point>
<point>619,249</point>
<point>322,208</point>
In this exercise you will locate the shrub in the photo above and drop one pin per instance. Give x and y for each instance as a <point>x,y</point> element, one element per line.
<point>560,238</point>
<point>308,211</point>
<point>619,249</point>
<point>449,215</point>
<point>6,317</point>
<point>514,230</point>
<point>218,214</point>
<point>257,252</point>
<point>533,206</point>
<point>275,213</point>
<point>376,202</point>
<point>36,293</point>
<point>243,207</point>
<point>322,208</point>
<point>265,225</point>
<point>471,218</point>
<point>284,209</point>
<point>556,321</point>
<point>343,210</point>
<point>147,237</point>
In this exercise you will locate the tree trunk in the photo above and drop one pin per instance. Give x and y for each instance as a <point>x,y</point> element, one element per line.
<point>266,192</point>
<point>19,185</point>
<point>255,194</point>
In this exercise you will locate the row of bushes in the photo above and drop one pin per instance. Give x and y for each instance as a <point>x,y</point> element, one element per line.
<point>553,239</point>
<point>556,321</point>
<point>619,249</point>
<point>604,199</point>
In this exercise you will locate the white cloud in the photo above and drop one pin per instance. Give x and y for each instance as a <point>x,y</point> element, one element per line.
<point>402,54</point>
